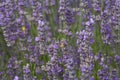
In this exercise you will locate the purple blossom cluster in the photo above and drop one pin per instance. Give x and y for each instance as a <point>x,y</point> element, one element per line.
<point>59,39</point>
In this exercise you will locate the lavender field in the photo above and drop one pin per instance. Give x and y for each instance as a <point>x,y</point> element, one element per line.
<point>59,39</point>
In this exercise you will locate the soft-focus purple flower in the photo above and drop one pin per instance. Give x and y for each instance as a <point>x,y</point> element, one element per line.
<point>37,39</point>
<point>34,78</point>
<point>117,60</point>
<point>38,71</point>
<point>92,78</point>
<point>16,78</point>
<point>1,73</point>
<point>117,3</point>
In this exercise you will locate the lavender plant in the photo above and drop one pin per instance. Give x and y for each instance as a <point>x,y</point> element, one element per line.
<point>59,39</point>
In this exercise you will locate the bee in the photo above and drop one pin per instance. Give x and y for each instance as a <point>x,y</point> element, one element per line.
<point>24,29</point>
<point>62,45</point>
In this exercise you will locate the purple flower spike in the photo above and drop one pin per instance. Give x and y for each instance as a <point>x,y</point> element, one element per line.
<point>16,78</point>
<point>37,39</point>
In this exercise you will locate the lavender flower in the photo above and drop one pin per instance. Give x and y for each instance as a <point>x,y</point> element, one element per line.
<point>9,17</point>
<point>107,35</point>
<point>84,41</point>
<point>13,68</point>
<point>106,27</point>
<point>68,61</point>
<point>16,78</point>
<point>53,66</point>
<point>26,71</point>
